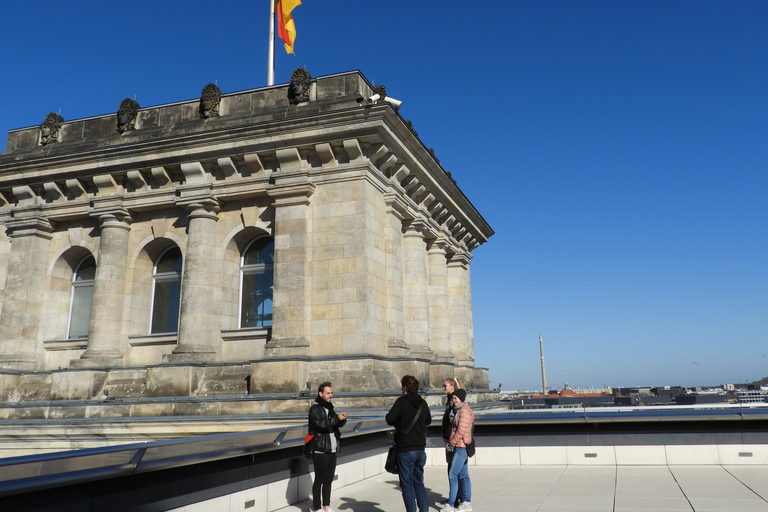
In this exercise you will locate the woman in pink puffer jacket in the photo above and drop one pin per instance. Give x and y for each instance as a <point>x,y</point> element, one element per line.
<point>461,436</point>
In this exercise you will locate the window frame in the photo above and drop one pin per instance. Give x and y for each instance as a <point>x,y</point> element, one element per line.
<point>165,277</point>
<point>74,285</point>
<point>253,269</point>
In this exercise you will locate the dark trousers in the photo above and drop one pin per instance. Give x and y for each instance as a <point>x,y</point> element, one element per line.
<point>325,469</point>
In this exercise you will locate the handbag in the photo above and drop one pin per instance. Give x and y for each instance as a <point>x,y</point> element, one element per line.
<point>391,465</point>
<point>309,446</point>
<point>471,448</point>
<point>471,445</point>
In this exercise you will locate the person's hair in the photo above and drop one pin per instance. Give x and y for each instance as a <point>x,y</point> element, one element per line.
<point>456,382</point>
<point>411,384</point>
<point>322,387</point>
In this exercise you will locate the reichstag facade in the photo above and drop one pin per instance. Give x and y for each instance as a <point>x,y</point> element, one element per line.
<point>249,242</point>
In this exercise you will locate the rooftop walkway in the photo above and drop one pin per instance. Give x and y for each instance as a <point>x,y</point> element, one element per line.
<point>575,489</point>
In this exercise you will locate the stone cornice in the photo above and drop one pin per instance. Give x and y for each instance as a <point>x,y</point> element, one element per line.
<point>237,162</point>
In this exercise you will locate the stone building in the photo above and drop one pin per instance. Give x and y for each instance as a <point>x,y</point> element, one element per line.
<point>250,242</point>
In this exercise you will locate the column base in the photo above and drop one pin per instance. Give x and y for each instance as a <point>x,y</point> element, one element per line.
<point>422,353</point>
<point>397,348</point>
<point>93,358</point>
<point>19,362</point>
<point>182,357</point>
<point>287,346</point>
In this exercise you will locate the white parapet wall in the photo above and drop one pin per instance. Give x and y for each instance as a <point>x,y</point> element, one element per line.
<point>277,495</point>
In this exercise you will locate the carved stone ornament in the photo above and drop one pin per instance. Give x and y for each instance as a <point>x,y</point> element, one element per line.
<point>409,124</point>
<point>209,101</point>
<point>381,91</point>
<point>49,130</point>
<point>298,90</point>
<point>126,115</point>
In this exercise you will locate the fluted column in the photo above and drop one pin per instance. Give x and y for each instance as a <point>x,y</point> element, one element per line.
<point>460,293</point>
<point>439,307</point>
<point>24,292</point>
<point>106,339</point>
<point>199,332</point>
<point>415,291</point>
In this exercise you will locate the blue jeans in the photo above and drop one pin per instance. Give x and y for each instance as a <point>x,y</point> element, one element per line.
<point>412,480</point>
<point>459,474</point>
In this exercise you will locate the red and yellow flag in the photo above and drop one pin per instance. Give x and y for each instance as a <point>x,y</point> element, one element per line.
<point>286,30</point>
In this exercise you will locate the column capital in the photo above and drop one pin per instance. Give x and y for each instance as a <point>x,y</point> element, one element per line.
<point>397,206</point>
<point>113,217</point>
<point>291,195</point>
<point>37,225</point>
<point>205,209</point>
<point>419,227</point>
<point>460,259</point>
<point>439,245</point>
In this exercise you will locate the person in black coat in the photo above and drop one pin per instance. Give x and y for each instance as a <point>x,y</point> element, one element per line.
<point>324,424</point>
<point>410,416</point>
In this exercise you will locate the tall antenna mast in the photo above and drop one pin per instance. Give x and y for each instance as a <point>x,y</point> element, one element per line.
<point>543,372</point>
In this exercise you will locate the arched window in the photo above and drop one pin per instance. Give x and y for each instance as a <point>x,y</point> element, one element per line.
<point>82,293</point>
<point>256,276</point>
<point>166,291</point>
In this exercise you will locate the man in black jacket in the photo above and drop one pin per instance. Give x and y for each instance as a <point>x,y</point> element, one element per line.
<point>324,424</point>
<point>410,416</point>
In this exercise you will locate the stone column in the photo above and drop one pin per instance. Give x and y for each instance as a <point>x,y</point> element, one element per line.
<point>291,305</point>
<point>415,280</point>
<point>24,292</point>
<point>199,322</point>
<point>106,339</point>
<point>462,337</point>
<point>396,345</point>
<point>439,307</point>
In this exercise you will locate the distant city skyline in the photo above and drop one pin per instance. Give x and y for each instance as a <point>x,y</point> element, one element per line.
<point>618,149</point>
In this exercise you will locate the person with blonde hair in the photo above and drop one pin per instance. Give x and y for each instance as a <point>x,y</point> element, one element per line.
<point>461,436</point>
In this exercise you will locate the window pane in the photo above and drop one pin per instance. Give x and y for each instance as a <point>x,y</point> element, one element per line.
<point>260,251</point>
<point>81,311</point>
<point>170,261</point>
<point>86,270</point>
<point>165,310</point>
<point>257,299</point>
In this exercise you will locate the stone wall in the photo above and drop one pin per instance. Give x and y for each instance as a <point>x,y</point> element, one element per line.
<point>372,248</point>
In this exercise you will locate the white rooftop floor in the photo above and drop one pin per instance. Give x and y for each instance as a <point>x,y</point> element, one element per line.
<point>574,489</point>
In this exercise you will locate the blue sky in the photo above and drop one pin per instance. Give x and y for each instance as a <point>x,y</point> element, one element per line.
<point>619,149</point>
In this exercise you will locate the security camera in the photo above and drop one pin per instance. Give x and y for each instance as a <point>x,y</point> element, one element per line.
<point>395,103</point>
<point>374,98</point>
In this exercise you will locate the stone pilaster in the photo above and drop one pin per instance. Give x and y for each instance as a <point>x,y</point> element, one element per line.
<point>291,314</point>
<point>106,340</point>
<point>199,332</point>
<point>415,290</point>
<point>439,307</point>
<point>24,292</point>
<point>395,331</point>
<point>460,294</point>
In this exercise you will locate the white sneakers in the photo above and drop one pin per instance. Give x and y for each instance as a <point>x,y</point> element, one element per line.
<point>464,507</point>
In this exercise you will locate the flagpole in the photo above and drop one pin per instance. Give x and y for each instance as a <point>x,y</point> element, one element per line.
<point>271,53</point>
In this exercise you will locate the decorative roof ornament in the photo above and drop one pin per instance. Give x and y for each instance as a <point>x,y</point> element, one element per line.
<point>209,101</point>
<point>126,115</point>
<point>49,130</point>
<point>298,90</point>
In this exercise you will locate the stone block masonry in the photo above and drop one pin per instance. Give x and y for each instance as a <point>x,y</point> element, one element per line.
<point>271,246</point>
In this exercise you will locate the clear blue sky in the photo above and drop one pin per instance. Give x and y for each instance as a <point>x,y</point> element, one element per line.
<point>619,149</point>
